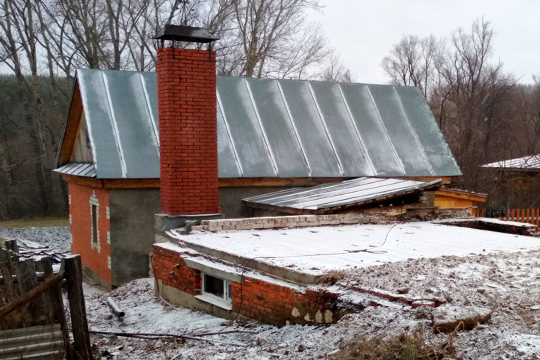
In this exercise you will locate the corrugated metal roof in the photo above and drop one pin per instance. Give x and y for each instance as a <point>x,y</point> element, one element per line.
<point>36,342</point>
<point>78,169</point>
<point>272,128</point>
<point>531,163</point>
<point>339,194</point>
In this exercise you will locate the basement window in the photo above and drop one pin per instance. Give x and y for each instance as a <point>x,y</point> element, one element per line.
<point>216,291</point>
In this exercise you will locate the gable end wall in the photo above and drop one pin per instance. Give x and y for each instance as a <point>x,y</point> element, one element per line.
<point>95,257</point>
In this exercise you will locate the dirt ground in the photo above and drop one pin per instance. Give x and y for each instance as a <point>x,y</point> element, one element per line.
<point>504,285</point>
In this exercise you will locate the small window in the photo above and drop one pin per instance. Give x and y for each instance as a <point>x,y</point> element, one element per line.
<point>216,287</point>
<point>94,224</point>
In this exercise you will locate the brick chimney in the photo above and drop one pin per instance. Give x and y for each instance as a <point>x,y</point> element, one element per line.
<point>186,80</point>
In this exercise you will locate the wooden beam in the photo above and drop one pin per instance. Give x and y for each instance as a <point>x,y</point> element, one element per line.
<point>445,179</point>
<point>227,182</point>
<point>79,324</point>
<point>112,183</point>
<point>31,295</point>
<point>461,195</point>
<point>72,126</point>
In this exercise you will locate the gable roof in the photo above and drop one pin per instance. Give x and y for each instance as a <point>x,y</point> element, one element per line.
<point>526,163</point>
<point>326,198</point>
<point>269,128</point>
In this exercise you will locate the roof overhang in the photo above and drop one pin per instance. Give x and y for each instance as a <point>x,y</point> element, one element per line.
<point>328,198</point>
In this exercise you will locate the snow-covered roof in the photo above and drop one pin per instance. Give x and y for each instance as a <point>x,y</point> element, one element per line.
<point>527,163</point>
<point>317,250</point>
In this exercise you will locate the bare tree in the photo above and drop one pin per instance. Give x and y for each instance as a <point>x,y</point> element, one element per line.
<point>334,70</point>
<point>413,62</point>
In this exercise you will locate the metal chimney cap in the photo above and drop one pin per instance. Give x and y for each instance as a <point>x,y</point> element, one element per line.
<point>185,33</point>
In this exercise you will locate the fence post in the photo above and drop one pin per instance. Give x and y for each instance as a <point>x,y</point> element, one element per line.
<point>12,250</point>
<point>27,280</point>
<point>56,304</point>
<point>79,324</point>
<point>507,214</point>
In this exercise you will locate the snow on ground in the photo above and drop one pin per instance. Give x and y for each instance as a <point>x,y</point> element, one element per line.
<point>54,237</point>
<point>507,283</point>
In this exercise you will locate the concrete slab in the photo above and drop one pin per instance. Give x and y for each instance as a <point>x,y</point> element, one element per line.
<point>315,251</point>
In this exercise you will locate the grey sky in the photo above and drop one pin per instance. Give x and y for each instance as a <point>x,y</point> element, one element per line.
<point>364,31</point>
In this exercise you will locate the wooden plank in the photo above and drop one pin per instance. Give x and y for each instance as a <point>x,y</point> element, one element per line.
<point>112,183</point>
<point>30,295</point>
<point>79,324</point>
<point>45,266</point>
<point>507,214</point>
<point>72,126</point>
<point>513,218</point>
<point>483,212</point>
<point>537,216</point>
<point>528,216</point>
<point>54,296</point>
<point>3,255</point>
<point>12,250</point>
<point>10,293</point>
<point>27,280</point>
<point>462,195</point>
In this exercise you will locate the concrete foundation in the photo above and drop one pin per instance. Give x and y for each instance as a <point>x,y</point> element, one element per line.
<point>132,235</point>
<point>183,299</point>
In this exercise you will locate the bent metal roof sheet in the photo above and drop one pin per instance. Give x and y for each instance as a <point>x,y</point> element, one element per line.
<point>326,197</point>
<point>272,128</point>
<point>526,163</point>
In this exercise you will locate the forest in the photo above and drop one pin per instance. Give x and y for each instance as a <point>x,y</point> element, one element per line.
<point>485,113</point>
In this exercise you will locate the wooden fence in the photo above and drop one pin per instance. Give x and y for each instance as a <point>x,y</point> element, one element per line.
<point>531,216</point>
<point>31,298</point>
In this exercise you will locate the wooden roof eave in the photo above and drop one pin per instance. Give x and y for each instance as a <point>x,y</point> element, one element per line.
<point>462,195</point>
<point>71,127</point>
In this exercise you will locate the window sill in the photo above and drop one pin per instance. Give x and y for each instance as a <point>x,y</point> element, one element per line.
<point>214,300</point>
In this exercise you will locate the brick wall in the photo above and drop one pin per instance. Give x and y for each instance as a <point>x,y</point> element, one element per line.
<point>169,266</point>
<point>275,304</point>
<point>95,256</point>
<point>188,131</point>
<point>262,300</point>
<point>375,215</point>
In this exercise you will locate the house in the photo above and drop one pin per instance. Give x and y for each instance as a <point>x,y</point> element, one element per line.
<point>515,183</point>
<point>190,146</point>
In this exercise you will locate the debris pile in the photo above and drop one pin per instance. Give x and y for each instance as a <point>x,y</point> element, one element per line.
<point>29,250</point>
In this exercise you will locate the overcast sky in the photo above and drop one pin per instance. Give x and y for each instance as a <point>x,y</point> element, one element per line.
<point>364,31</point>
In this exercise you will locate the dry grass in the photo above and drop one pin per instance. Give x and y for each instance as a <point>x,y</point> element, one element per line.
<point>402,347</point>
<point>331,277</point>
<point>35,222</point>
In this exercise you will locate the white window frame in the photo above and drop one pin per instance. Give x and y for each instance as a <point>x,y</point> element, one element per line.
<point>224,302</point>
<point>94,204</point>
<point>226,288</point>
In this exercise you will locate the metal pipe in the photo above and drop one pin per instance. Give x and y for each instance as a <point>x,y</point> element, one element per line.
<point>114,307</point>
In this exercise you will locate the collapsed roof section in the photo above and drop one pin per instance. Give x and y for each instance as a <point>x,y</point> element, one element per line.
<point>267,128</point>
<point>336,196</point>
<point>526,163</point>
